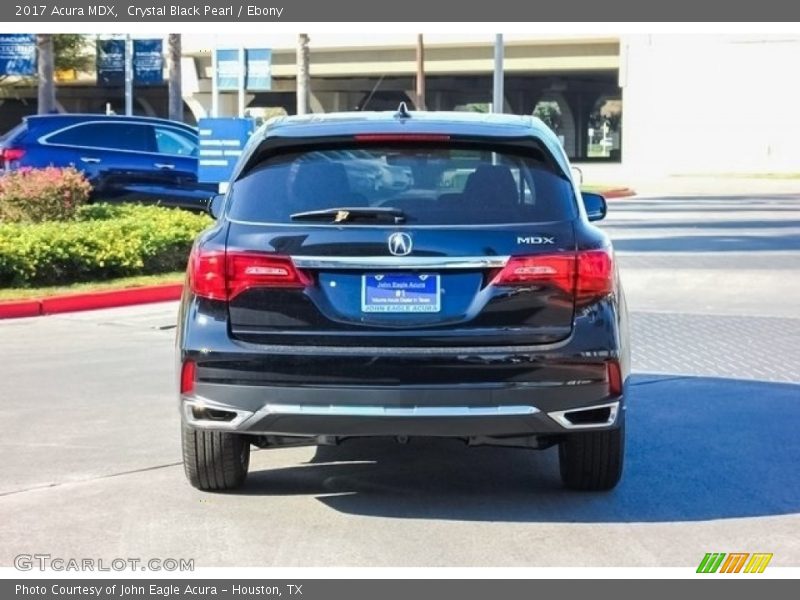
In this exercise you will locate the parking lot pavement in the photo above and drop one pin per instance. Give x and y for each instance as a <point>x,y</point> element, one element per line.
<point>91,434</point>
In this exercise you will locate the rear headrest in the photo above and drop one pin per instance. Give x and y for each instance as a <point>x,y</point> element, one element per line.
<point>320,184</point>
<point>493,185</point>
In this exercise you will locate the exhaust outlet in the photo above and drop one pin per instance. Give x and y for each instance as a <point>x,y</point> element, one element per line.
<point>209,416</point>
<point>202,413</point>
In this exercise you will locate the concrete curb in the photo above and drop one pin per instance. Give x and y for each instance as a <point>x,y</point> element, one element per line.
<point>50,305</point>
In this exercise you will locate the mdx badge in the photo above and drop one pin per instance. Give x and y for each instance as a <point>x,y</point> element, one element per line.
<point>535,239</point>
<point>400,243</point>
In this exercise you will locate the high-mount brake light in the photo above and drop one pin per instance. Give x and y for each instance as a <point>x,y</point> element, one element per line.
<point>401,137</point>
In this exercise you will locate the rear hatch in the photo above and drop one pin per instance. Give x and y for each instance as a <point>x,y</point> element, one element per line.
<point>472,244</point>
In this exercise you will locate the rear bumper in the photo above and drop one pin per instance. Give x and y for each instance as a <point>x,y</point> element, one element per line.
<point>409,411</point>
<point>397,391</point>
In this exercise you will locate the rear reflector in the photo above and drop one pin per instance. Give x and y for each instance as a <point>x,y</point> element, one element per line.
<point>587,275</point>
<point>11,154</point>
<point>223,276</point>
<point>614,378</point>
<point>401,137</point>
<point>188,375</point>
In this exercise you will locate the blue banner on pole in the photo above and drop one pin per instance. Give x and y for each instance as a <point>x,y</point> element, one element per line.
<point>259,70</point>
<point>228,70</point>
<point>221,144</point>
<point>148,62</point>
<point>111,62</point>
<point>18,54</point>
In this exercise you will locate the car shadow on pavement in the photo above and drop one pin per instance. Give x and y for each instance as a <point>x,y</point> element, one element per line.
<point>697,448</point>
<point>721,224</point>
<point>706,201</point>
<point>721,242</point>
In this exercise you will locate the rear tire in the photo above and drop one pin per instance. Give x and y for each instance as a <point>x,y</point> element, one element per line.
<point>215,460</point>
<point>592,460</point>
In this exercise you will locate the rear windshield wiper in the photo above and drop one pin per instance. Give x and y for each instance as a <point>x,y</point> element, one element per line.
<point>349,214</point>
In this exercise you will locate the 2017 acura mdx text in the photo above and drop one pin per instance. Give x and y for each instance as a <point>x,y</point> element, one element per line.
<point>403,274</point>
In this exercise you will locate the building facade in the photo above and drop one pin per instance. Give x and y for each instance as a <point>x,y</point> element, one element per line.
<point>649,104</point>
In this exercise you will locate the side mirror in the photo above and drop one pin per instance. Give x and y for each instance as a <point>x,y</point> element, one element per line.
<point>214,206</point>
<point>595,204</point>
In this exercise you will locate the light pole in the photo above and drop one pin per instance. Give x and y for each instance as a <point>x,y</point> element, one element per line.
<point>241,83</point>
<point>302,73</point>
<point>214,81</point>
<point>420,100</point>
<point>498,99</point>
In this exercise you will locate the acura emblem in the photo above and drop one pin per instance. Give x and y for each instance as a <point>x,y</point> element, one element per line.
<point>400,244</point>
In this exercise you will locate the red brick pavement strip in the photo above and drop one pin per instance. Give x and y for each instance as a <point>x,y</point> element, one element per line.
<point>34,307</point>
<point>20,308</point>
<point>623,192</point>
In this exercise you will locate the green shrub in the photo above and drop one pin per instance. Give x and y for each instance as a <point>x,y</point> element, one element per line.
<point>103,242</point>
<point>36,195</point>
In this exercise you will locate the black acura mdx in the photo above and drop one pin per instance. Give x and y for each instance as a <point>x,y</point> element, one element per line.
<point>403,274</point>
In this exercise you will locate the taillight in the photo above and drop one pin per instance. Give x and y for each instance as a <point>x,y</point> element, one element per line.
<point>587,274</point>
<point>188,376</point>
<point>250,270</point>
<point>224,275</point>
<point>595,275</point>
<point>555,269</point>
<point>12,154</point>
<point>207,274</point>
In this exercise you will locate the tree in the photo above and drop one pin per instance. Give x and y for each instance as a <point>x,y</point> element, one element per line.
<point>46,62</point>
<point>550,113</point>
<point>73,51</point>
<point>174,82</point>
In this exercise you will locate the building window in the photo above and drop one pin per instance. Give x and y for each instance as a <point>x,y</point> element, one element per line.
<point>604,134</point>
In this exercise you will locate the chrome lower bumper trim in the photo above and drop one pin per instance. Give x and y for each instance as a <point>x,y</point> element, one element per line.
<point>559,416</point>
<point>241,417</point>
<point>191,405</point>
<point>390,411</point>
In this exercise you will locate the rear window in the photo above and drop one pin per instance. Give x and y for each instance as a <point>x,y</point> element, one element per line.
<point>430,185</point>
<point>12,133</point>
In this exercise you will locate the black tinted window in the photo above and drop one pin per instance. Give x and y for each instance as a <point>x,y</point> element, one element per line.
<point>112,136</point>
<point>431,185</point>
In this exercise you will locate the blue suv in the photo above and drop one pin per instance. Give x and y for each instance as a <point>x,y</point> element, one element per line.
<point>139,159</point>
